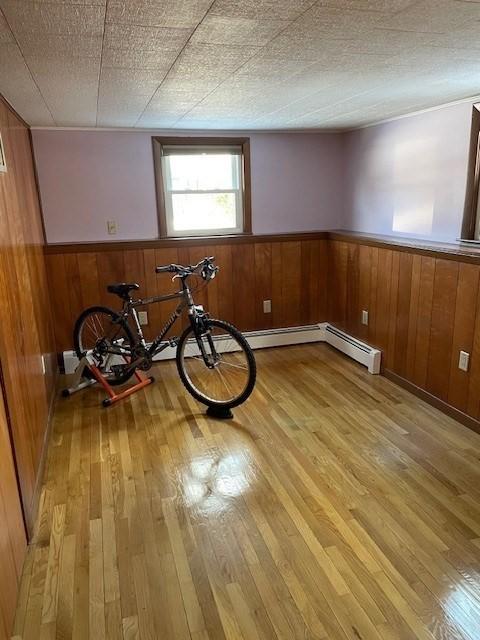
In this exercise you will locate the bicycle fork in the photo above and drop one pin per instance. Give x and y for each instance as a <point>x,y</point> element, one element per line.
<point>200,329</point>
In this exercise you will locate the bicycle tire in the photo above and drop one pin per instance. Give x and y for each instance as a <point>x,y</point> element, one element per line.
<point>80,351</point>
<point>245,348</point>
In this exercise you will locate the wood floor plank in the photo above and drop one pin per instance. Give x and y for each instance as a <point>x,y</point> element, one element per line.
<point>334,505</point>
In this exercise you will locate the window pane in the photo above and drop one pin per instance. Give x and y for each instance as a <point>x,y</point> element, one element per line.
<point>203,172</point>
<point>198,211</point>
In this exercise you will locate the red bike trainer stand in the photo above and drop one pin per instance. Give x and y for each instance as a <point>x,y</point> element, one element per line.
<point>80,382</point>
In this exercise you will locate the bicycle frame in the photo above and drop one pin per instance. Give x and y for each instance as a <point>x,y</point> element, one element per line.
<point>130,309</point>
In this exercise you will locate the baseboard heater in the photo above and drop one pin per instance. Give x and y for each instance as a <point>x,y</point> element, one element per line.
<point>356,349</point>
<point>283,337</point>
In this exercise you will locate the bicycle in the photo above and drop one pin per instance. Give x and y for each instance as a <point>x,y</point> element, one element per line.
<point>214,361</point>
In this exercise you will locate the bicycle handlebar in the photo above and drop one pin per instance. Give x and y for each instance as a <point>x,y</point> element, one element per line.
<point>185,270</point>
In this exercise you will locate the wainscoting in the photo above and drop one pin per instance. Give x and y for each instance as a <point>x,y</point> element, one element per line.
<point>25,336</point>
<point>290,271</point>
<point>422,298</point>
<point>424,307</point>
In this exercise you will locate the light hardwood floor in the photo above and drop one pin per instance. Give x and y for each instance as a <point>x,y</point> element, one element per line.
<point>335,505</point>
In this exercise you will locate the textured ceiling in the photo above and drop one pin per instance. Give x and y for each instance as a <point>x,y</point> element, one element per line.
<point>235,64</point>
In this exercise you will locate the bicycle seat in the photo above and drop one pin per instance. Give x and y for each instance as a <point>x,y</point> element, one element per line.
<point>122,289</point>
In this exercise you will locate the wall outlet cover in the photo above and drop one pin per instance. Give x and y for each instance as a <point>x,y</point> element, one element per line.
<point>267,306</point>
<point>365,317</point>
<point>463,360</point>
<point>112,227</point>
<point>143,317</point>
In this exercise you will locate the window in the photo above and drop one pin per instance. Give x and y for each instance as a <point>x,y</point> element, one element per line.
<point>202,186</point>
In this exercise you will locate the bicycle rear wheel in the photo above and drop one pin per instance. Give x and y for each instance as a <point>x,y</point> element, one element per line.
<point>224,374</point>
<point>104,335</point>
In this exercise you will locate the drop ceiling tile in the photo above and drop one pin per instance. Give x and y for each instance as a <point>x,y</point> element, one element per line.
<point>137,59</point>
<point>212,124</point>
<point>123,111</point>
<point>163,120</point>
<point>160,13</point>
<point>127,83</point>
<point>100,3</point>
<point>327,23</point>
<point>237,31</point>
<point>174,99</point>
<point>134,47</point>
<point>440,16</point>
<point>271,68</point>
<point>5,33</point>
<point>173,90</point>
<point>17,86</point>
<point>58,47</point>
<point>124,36</point>
<point>245,64</point>
<point>209,62</point>
<point>263,9</point>
<point>55,19</point>
<point>385,6</point>
<point>66,86</point>
<point>63,69</point>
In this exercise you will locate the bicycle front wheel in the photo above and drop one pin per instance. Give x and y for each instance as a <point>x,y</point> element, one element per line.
<point>217,367</point>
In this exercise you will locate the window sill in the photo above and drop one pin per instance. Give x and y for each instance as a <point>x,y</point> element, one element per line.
<point>207,236</point>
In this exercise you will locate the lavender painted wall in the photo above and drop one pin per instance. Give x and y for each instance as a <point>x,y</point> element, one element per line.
<point>408,177</point>
<point>89,177</point>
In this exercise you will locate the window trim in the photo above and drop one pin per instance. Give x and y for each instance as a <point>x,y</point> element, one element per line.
<point>472,195</point>
<point>244,143</point>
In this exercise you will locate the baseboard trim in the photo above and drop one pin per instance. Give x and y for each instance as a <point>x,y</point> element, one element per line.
<point>429,398</point>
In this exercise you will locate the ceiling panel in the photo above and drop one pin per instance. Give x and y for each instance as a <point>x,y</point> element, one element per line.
<point>237,31</point>
<point>440,16</point>
<point>235,63</point>
<point>261,9</point>
<point>53,18</point>
<point>158,13</point>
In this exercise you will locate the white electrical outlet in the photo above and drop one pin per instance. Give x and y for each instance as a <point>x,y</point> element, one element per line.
<point>267,306</point>
<point>112,227</point>
<point>143,317</point>
<point>364,317</point>
<point>463,360</point>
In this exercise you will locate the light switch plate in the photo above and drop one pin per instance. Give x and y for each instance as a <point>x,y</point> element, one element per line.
<point>112,227</point>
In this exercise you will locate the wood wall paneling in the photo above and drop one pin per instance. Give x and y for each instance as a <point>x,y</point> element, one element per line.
<point>422,311</point>
<point>292,274</point>
<point>424,314</point>
<point>473,398</point>
<point>402,316</point>
<point>12,531</point>
<point>337,270</point>
<point>423,306</point>
<point>463,333</point>
<point>442,327</point>
<point>25,336</point>
<point>381,310</point>
<point>25,316</point>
